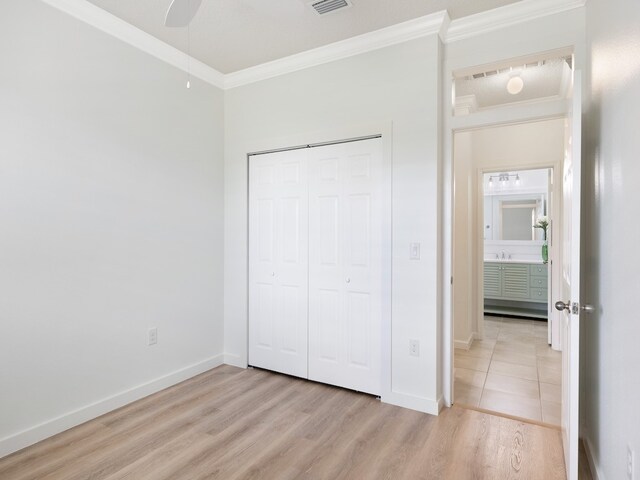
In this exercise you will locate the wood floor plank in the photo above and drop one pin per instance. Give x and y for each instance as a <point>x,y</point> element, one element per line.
<point>236,424</point>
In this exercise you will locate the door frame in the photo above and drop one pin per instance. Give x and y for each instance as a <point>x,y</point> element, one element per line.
<point>505,115</point>
<point>383,130</point>
<point>556,232</point>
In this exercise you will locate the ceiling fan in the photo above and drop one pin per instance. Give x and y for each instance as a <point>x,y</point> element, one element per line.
<point>181,12</point>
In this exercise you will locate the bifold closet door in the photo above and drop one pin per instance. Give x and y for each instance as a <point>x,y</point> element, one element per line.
<point>345,264</point>
<point>278,262</point>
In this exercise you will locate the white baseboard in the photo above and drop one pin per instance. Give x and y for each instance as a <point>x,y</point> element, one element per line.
<point>412,402</point>
<point>594,466</point>
<point>464,344</point>
<point>23,439</point>
<point>234,360</point>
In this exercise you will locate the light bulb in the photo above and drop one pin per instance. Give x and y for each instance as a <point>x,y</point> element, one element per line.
<point>490,182</point>
<point>517,179</point>
<point>188,83</point>
<point>515,85</point>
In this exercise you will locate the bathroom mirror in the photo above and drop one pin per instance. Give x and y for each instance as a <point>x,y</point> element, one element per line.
<point>509,218</point>
<point>513,202</point>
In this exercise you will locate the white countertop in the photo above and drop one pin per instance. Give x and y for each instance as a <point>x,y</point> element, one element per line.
<point>500,260</point>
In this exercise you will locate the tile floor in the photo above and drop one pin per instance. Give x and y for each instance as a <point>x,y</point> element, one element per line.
<point>512,370</point>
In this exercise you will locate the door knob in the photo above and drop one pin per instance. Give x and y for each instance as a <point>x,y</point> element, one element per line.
<point>563,306</point>
<point>588,308</point>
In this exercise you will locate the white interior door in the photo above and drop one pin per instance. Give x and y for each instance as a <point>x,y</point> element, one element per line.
<point>345,264</point>
<point>278,262</point>
<point>570,319</point>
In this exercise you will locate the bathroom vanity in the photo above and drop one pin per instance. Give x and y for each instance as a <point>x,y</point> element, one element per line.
<point>513,287</point>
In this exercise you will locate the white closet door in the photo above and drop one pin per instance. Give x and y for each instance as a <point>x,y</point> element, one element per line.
<point>278,262</point>
<point>345,260</point>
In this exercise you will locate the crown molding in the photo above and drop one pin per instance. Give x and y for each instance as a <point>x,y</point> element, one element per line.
<point>513,14</point>
<point>435,23</point>
<point>114,26</point>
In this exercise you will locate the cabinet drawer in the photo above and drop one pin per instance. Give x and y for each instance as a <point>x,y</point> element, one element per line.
<point>538,282</point>
<point>539,294</point>
<point>538,270</point>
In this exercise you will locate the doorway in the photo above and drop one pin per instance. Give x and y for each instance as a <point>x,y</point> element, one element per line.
<point>506,356</point>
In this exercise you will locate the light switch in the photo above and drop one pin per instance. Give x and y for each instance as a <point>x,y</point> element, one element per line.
<point>414,251</point>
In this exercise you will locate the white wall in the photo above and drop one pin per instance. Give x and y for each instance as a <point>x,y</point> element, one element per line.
<point>611,235</point>
<point>501,148</point>
<point>111,204</point>
<point>395,88</point>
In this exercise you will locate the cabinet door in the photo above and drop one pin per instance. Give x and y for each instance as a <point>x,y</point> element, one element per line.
<point>345,265</point>
<point>492,280</point>
<point>278,262</point>
<point>515,281</point>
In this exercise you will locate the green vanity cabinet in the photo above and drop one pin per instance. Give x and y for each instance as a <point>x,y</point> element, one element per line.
<point>516,288</point>
<point>492,280</point>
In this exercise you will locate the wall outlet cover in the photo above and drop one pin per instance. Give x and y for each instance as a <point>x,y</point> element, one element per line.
<point>152,336</point>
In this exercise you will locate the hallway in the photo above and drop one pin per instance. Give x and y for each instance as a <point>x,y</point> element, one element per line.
<point>512,370</point>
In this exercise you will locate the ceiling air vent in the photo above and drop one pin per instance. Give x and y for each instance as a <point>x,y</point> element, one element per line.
<point>327,6</point>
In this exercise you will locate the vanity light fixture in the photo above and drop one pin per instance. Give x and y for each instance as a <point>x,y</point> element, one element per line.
<point>503,178</point>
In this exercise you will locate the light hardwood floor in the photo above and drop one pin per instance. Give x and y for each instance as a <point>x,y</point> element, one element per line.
<point>230,423</point>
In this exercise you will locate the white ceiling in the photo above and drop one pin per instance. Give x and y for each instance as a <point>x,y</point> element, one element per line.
<point>230,35</point>
<point>550,78</point>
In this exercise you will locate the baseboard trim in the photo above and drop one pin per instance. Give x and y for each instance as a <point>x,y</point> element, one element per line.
<point>594,466</point>
<point>234,360</point>
<point>464,344</point>
<point>413,402</point>
<point>27,437</point>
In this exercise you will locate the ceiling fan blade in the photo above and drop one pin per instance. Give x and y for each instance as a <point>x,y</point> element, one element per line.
<point>181,12</point>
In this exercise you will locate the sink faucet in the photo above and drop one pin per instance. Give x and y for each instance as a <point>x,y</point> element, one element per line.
<point>497,257</point>
<point>502,254</point>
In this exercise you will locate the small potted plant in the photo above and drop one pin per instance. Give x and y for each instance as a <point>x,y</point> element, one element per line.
<point>543,224</point>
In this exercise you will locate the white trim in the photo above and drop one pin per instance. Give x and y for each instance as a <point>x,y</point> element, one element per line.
<point>510,114</point>
<point>435,23</point>
<point>234,360</point>
<point>464,344</point>
<point>66,421</point>
<point>513,14</point>
<point>114,26</point>
<point>421,404</point>
<point>594,466</point>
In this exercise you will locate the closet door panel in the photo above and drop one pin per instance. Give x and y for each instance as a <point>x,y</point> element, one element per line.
<point>278,262</point>
<point>345,258</point>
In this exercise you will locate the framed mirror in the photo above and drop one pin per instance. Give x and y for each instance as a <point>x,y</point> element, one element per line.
<point>513,202</point>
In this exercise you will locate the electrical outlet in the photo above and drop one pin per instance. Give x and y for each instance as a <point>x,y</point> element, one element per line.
<point>414,348</point>
<point>629,462</point>
<point>152,336</point>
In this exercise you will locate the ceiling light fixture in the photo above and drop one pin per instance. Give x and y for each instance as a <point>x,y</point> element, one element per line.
<point>515,85</point>
<point>180,14</point>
